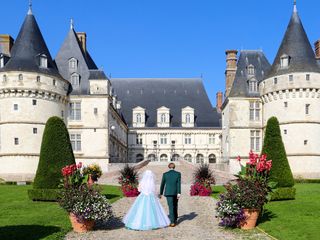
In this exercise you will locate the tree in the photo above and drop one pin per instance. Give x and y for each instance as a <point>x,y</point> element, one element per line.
<point>56,153</point>
<point>280,172</point>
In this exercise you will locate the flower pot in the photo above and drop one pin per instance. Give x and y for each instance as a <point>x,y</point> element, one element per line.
<point>80,225</point>
<point>251,218</point>
<point>90,180</point>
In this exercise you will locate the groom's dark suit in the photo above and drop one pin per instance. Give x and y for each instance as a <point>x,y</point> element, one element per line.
<point>171,185</point>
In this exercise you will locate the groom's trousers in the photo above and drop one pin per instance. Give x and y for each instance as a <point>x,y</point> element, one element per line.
<point>173,208</point>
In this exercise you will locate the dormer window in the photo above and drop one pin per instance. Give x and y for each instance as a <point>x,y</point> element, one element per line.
<point>163,118</point>
<point>253,86</point>
<point>188,118</point>
<point>73,64</point>
<point>43,61</point>
<point>75,80</point>
<point>250,69</point>
<point>138,117</point>
<point>284,61</point>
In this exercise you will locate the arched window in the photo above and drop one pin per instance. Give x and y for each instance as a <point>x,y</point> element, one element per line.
<point>73,64</point>
<point>43,61</point>
<point>152,157</point>
<point>163,118</point>
<point>250,69</point>
<point>188,157</point>
<point>75,80</point>
<point>212,158</point>
<point>139,157</point>
<point>164,158</point>
<point>199,158</point>
<point>20,77</point>
<point>188,118</point>
<point>138,118</point>
<point>175,157</point>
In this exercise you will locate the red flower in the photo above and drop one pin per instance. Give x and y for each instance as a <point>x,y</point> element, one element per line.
<point>238,158</point>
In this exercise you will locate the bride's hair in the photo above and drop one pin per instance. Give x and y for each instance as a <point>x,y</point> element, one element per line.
<point>147,184</point>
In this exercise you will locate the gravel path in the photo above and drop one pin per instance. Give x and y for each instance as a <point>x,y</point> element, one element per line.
<point>196,222</point>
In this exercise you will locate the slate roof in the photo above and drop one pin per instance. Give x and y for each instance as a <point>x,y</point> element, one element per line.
<point>27,48</point>
<point>240,87</point>
<point>175,94</point>
<point>296,45</point>
<point>87,69</point>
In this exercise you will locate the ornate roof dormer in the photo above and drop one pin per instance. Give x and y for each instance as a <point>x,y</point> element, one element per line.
<point>295,53</point>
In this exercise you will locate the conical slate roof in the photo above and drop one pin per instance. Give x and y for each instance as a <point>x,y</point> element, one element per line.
<point>296,45</point>
<point>26,51</point>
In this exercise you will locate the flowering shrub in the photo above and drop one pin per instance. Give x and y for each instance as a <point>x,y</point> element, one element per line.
<point>86,203</point>
<point>203,179</point>
<point>128,180</point>
<point>94,170</point>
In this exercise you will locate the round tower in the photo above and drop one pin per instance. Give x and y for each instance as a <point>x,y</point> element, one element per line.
<point>291,92</point>
<point>31,91</point>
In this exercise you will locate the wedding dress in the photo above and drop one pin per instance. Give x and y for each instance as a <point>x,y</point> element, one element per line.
<point>146,213</point>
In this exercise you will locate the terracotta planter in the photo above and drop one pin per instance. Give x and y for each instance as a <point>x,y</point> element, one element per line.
<point>90,181</point>
<point>251,218</point>
<point>80,226</point>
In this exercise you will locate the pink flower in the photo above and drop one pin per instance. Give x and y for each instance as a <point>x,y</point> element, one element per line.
<point>238,158</point>
<point>79,165</point>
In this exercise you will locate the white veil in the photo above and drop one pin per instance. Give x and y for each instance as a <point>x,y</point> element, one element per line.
<point>147,184</point>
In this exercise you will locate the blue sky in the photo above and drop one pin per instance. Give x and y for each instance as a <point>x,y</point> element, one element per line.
<point>165,38</point>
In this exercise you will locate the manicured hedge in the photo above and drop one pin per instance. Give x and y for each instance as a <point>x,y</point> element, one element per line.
<point>300,180</point>
<point>56,152</point>
<point>283,194</point>
<point>44,194</point>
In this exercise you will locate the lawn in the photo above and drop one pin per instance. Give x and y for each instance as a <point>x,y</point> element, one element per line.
<point>294,219</point>
<point>22,218</point>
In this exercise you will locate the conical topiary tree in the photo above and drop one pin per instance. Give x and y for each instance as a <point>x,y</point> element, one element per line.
<point>56,152</point>
<point>280,171</point>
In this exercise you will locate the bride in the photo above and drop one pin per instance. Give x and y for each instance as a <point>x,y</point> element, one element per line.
<point>146,213</point>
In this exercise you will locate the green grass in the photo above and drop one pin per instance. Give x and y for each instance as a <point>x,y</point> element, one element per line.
<point>216,190</point>
<point>22,218</point>
<point>294,219</point>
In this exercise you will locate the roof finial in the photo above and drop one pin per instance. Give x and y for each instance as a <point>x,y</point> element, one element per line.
<point>295,6</point>
<point>30,7</point>
<point>71,23</point>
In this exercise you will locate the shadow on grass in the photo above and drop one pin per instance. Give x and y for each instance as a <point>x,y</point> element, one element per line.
<point>266,216</point>
<point>30,232</point>
<point>187,217</point>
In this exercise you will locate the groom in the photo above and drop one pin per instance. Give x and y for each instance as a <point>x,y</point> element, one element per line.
<point>171,182</point>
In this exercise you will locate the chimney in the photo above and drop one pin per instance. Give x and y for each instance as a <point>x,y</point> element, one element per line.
<point>231,59</point>
<point>317,49</point>
<point>6,43</point>
<point>219,100</point>
<point>82,36</point>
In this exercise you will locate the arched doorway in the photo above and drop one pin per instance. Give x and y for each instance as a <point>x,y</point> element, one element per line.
<point>152,157</point>
<point>139,157</point>
<point>164,158</point>
<point>188,157</point>
<point>212,158</point>
<point>175,157</point>
<point>199,158</point>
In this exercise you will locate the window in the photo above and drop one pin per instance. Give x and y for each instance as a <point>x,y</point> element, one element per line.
<point>199,158</point>
<point>188,118</point>
<point>254,111</point>
<point>62,113</point>
<point>75,111</point>
<point>305,142</point>
<point>284,61</point>
<point>138,118</point>
<point>1,61</point>
<point>34,102</point>
<point>75,139</point>
<point>308,77</point>
<point>95,110</point>
<point>212,158</point>
<point>285,104</point>
<point>75,80</point>
<point>250,69</point>
<point>15,107</point>
<point>255,140</point>
<point>163,138</point>
<point>211,139</point>
<point>38,79</point>
<point>16,141</point>
<point>4,78</point>
<point>188,158</point>
<point>163,118</point>
<point>253,86</point>
<point>285,131</point>
<point>152,157</point>
<point>164,158</point>
<point>187,139</point>
<point>53,82</point>
<point>35,130</point>
<point>139,139</point>
<point>20,77</point>
<point>290,78</point>
<point>43,61</point>
<point>275,81</point>
<point>175,157</point>
<point>139,157</point>
<point>307,108</point>
<point>73,64</point>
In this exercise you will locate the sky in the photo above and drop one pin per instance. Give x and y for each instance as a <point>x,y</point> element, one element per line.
<point>165,38</point>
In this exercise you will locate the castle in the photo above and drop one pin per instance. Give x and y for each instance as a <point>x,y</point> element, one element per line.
<point>112,120</point>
